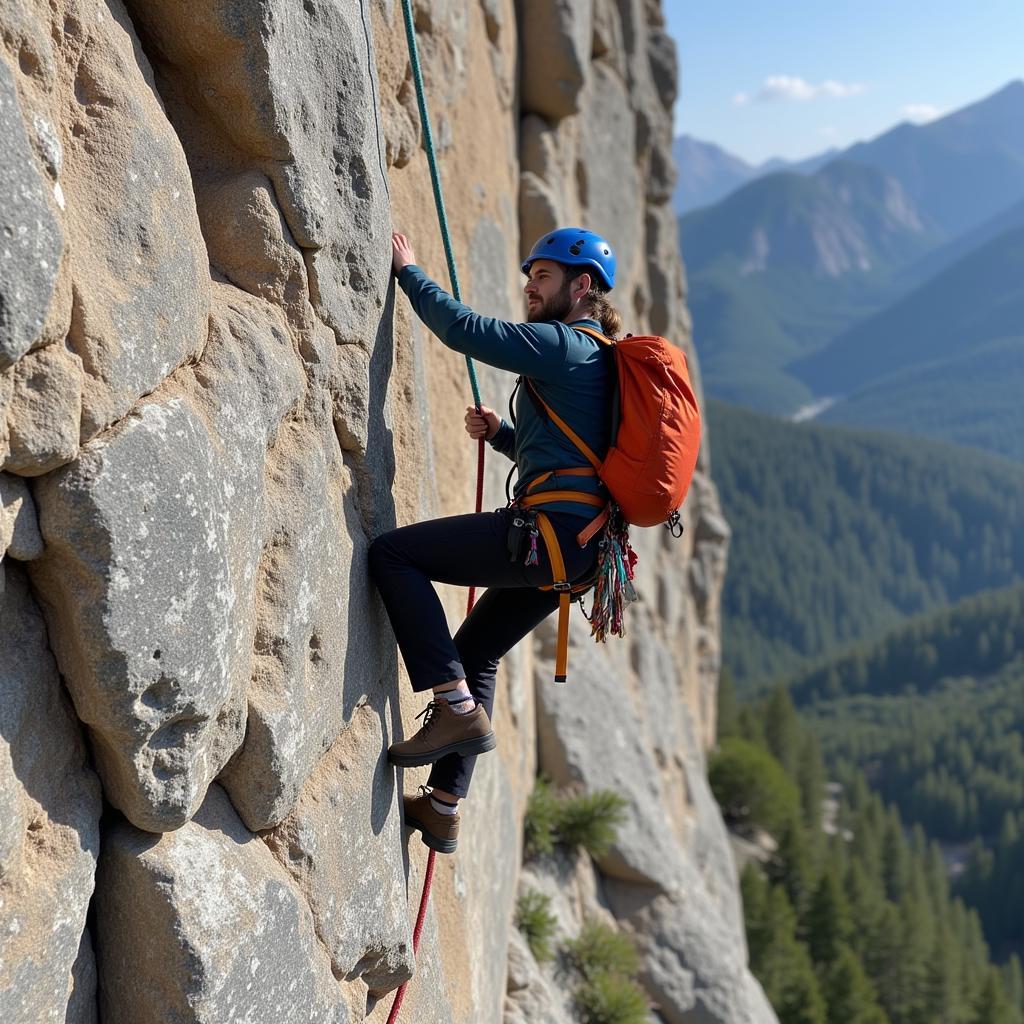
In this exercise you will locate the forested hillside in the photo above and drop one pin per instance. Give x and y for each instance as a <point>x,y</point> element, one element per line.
<point>970,398</point>
<point>934,715</point>
<point>839,534</point>
<point>850,920</point>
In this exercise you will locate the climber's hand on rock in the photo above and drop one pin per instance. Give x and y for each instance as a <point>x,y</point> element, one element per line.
<point>401,252</point>
<point>483,424</point>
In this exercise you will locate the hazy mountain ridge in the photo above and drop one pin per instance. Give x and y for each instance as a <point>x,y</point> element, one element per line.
<point>789,267</point>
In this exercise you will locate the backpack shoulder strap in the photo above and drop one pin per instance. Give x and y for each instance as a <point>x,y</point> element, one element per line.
<point>583,447</point>
<point>594,334</point>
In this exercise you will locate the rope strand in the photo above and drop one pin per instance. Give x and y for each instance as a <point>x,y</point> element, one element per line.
<point>453,275</point>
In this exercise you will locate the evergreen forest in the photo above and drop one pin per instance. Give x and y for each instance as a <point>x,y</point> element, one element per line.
<point>933,716</point>
<point>839,535</point>
<point>850,915</point>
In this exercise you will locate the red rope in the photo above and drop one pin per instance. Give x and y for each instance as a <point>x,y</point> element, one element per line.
<point>428,875</point>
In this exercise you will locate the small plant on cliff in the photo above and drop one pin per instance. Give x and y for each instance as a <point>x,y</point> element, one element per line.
<point>608,962</point>
<point>612,999</point>
<point>599,949</point>
<point>587,820</point>
<point>540,819</point>
<point>535,920</point>
<point>590,820</point>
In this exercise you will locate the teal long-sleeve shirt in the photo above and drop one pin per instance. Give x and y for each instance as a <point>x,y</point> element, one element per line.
<point>572,372</point>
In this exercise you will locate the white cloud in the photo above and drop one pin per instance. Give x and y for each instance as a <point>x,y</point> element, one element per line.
<point>793,88</point>
<point>921,113</point>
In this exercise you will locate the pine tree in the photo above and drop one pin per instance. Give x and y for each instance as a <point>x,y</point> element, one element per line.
<point>728,707</point>
<point>811,780</point>
<point>849,993</point>
<point>791,865</point>
<point>786,971</point>
<point>782,730</point>
<point>827,924</point>
<point>992,1005</point>
<point>895,859</point>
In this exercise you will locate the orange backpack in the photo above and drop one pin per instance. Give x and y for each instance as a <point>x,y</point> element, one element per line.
<point>655,434</point>
<point>656,437</point>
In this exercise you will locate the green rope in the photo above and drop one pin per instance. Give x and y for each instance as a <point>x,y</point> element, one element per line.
<point>435,176</point>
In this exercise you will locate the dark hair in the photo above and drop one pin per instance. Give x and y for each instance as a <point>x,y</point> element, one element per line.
<point>597,299</point>
<point>604,312</point>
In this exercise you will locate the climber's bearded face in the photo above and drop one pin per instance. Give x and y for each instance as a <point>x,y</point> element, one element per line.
<point>549,292</point>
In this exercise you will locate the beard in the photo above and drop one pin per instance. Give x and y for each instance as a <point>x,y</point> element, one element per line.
<point>555,308</point>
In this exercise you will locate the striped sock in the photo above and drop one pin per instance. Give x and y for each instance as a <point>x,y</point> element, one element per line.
<point>460,700</point>
<point>443,806</point>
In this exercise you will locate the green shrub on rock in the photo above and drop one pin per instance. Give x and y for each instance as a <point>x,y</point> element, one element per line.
<point>599,949</point>
<point>535,920</point>
<point>584,820</point>
<point>611,999</point>
<point>590,821</point>
<point>540,819</point>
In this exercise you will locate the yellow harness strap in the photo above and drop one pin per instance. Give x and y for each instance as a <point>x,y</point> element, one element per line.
<point>560,583</point>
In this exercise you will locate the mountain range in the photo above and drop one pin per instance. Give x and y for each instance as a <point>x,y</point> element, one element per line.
<point>821,287</point>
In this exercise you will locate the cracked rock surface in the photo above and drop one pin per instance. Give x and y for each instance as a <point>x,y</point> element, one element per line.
<point>211,401</point>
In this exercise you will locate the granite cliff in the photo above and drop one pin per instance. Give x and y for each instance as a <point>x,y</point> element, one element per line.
<point>210,401</point>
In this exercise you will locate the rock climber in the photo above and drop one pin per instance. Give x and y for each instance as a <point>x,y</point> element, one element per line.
<point>569,273</point>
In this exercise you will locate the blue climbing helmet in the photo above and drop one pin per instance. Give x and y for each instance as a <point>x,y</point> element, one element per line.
<point>575,247</point>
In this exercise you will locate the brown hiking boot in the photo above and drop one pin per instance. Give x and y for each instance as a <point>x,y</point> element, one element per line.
<point>444,732</point>
<point>439,831</point>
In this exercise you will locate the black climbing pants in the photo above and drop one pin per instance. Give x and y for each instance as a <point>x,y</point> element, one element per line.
<point>469,550</point>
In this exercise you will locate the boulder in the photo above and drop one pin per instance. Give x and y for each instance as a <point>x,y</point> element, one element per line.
<point>19,527</point>
<point>290,87</point>
<point>154,540</point>
<point>320,631</point>
<point>44,412</point>
<point>613,204</point>
<point>647,849</point>
<point>250,244</point>
<point>49,823</point>
<point>532,997</point>
<point>31,240</point>
<point>138,262</point>
<point>203,925</point>
<point>555,38</point>
<point>692,966</point>
<point>338,843</point>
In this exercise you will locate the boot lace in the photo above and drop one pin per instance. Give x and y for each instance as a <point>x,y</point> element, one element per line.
<point>431,712</point>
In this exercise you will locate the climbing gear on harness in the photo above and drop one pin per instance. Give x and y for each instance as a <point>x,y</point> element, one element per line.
<point>444,731</point>
<point>613,586</point>
<point>566,590</point>
<point>439,831</point>
<point>575,247</point>
<point>656,438</point>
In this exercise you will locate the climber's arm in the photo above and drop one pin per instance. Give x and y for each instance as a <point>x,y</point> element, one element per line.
<point>504,441</point>
<point>534,350</point>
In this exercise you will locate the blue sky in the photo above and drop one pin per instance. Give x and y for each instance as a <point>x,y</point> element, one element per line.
<point>761,83</point>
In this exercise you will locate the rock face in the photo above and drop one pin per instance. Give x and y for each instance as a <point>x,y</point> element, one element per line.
<point>172,910</point>
<point>49,825</point>
<point>210,402</point>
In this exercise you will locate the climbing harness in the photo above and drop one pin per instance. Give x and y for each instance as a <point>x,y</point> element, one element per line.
<point>442,217</point>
